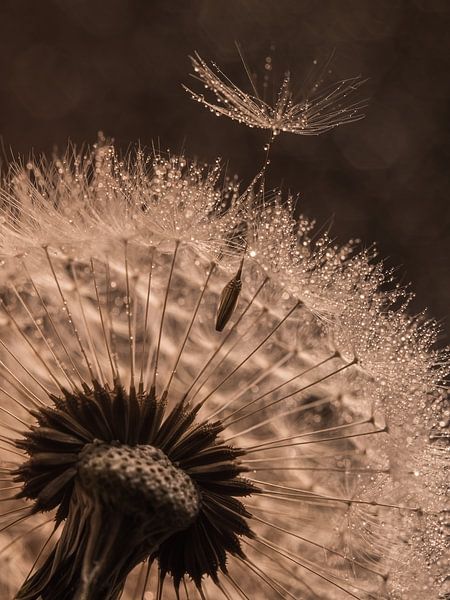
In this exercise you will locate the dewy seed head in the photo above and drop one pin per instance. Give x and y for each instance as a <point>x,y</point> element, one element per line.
<point>139,481</point>
<point>286,455</point>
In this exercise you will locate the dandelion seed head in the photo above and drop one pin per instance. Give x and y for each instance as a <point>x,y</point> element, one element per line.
<point>277,456</point>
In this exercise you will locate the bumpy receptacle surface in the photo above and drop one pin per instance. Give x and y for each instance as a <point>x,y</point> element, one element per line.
<point>139,480</point>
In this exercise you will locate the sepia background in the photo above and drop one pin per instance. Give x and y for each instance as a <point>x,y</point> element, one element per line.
<point>70,68</point>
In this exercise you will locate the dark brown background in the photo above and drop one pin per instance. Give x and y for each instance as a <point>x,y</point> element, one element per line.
<point>69,68</point>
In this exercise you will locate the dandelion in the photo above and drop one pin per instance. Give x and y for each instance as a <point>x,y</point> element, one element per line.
<point>318,112</point>
<point>149,453</point>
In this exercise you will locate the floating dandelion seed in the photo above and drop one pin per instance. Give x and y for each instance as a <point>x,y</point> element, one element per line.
<point>274,459</point>
<point>321,111</point>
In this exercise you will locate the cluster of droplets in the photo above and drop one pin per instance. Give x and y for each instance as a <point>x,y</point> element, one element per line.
<point>162,196</point>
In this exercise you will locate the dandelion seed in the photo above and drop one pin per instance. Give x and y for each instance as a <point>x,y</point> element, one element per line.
<point>276,459</point>
<point>315,114</point>
<point>228,299</point>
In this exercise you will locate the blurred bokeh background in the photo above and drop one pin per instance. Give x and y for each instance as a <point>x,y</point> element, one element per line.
<point>70,68</point>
